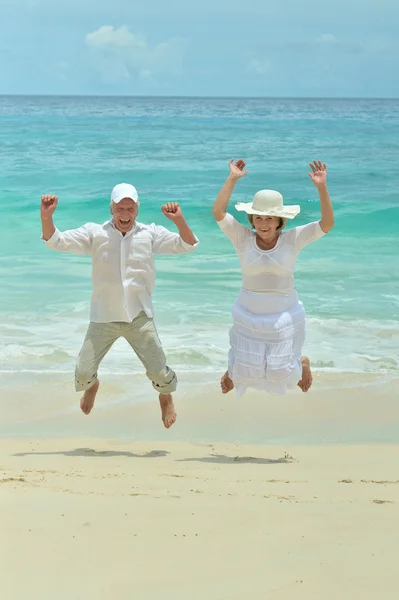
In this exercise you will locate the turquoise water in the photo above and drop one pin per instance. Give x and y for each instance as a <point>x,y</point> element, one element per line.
<point>178,149</point>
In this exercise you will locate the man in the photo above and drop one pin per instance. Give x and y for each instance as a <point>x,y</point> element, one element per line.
<point>123,278</point>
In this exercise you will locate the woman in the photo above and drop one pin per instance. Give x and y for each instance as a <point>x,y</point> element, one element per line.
<point>269,321</point>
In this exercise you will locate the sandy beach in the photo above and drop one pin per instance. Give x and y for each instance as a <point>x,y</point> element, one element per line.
<point>162,518</point>
<point>174,521</point>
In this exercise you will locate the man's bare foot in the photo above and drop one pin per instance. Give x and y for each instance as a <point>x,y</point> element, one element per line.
<point>87,400</point>
<point>168,410</point>
<point>307,379</point>
<point>226,383</point>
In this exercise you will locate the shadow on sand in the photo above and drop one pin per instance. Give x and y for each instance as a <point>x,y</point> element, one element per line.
<point>223,459</point>
<point>87,452</point>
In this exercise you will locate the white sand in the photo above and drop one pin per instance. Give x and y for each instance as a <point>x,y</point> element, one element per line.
<point>84,519</point>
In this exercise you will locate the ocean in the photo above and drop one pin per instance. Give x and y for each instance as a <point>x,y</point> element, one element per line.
<point>177,149</point>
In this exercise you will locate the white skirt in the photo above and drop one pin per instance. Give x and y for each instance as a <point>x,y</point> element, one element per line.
<point>265,347</point>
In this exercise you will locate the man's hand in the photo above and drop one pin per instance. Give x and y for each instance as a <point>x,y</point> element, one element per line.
<point>318,174</point>
<point>172,211</point>
<point>48,206</point>
<point>237,169</point>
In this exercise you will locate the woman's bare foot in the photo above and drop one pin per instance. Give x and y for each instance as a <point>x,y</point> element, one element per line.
<point>87,400</point>
<point>168,410</point>
<point>307,379</point>
<point>226,383</point>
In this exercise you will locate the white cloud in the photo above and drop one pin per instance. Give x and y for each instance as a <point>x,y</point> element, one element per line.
<point>343,46</point>
<point>258,67</point>
<point>145,74</point>
<point>327,38</point>
<point>119,54</point>
<point>324,45</point>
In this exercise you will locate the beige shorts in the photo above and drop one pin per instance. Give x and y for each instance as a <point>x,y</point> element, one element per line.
<point>142,336</point>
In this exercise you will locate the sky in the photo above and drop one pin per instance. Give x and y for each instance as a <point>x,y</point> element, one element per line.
<point>285,48</point>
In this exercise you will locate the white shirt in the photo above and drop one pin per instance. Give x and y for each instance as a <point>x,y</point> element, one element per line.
<point>123,273</point>
<point>269,272</point>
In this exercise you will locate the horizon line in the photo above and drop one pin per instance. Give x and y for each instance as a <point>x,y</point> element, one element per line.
<point>196,97</point>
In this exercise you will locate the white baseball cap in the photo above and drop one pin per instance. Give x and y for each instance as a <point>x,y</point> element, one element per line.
<point>124,190</point>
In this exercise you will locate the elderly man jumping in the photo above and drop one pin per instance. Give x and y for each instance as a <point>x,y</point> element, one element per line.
<point>123,279</point>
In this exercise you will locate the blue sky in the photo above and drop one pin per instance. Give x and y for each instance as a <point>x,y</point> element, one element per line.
<point>207,48</point>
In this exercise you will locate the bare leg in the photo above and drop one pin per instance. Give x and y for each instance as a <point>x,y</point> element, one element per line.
<point>226,383</point>
<point>307,379</point>
<point>168,410</point>
<point>143,338</point>
<point>87,400</point>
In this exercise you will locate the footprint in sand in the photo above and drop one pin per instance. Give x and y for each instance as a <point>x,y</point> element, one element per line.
<point>382,482</point>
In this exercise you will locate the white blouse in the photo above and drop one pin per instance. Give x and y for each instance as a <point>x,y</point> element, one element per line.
<point>269,271</point>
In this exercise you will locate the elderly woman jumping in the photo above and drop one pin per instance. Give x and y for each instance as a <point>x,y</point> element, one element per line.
<point>268,329</point>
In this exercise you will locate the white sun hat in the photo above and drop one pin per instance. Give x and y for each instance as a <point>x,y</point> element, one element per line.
<point>124,190</point>
<point>270,203</point>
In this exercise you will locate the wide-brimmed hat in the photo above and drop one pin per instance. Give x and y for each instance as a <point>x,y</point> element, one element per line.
<point>270,203</point>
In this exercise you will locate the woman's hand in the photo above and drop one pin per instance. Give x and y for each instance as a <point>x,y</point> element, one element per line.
<point>223,197</point>
<point>237,169</point>
<point>318,174</point>
<point>319,178</point>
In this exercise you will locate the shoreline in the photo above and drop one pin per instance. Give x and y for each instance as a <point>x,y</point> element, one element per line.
<point>350,409</point>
